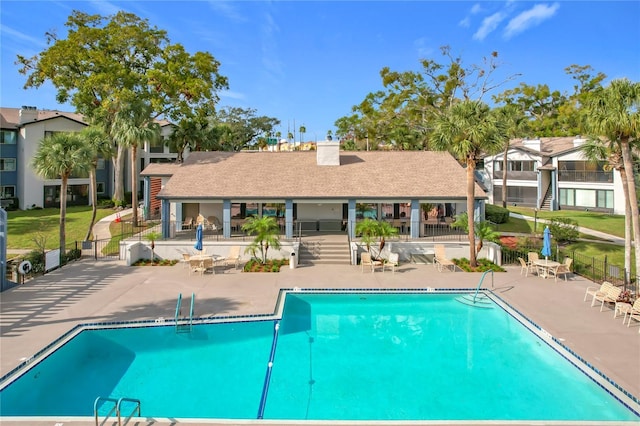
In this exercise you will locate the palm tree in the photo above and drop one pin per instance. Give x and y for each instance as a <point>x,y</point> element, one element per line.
<point>60,156</point>
<point>100,145</point>
<point>597,150</point>
<point>303,130</point>
<point>152,237</point>
<point>133,126</point>
<point>468,129</point>
<point>483,231</point>
<point>371,229</point>
<point>612,112</point>
<point>266,232</point>
<point>187,134</point>
<point>515,122</point>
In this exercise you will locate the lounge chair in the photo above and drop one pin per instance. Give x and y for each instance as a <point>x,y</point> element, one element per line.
<point>525,267</point>
<point>634,312</point>
<point>592,291</point>
<point>440,259</point>
<point>393,261</point>
<point>610,296</point>
<point>562,269</point>
<point>366,260</point>
<point>233,258</point>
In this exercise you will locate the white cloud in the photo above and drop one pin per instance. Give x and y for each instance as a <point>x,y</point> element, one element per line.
<point>465,23</point>
<point>37,41</point>
<point>476,9</point>
<point>227,9</point>
<point>229,94</point>
<point>270,59</point>
<point>422,47</point>
<point>489,24</point>
<point>106,8</point>
<point>530,18</point>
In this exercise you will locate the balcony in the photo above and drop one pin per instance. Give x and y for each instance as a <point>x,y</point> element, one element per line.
<point>585,176</point>
<point>513,175</point>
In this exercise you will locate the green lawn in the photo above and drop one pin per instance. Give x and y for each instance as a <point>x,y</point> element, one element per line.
<point>603,222</point>
<point>26,227</point>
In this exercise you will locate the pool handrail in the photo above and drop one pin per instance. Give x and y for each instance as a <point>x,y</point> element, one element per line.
<point>480,283</point>
<point>95,408</point>
<point>119,410</point>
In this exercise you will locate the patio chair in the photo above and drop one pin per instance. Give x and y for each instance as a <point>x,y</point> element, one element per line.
<point>185,259</point>
<point>634,312</point>
<point>187,223</point>
<point>532,257</point>
<point>393,261</point>
<point>592,291</point>
<point>562,269</point>
<point>233,258</point>
<point>366,260</point>
<point>440,259</point>
<point>610,296</point>
<point>525,267</point>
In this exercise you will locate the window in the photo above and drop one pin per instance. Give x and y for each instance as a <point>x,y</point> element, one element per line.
<point>8,137</point>
<point>586,198</point>
<point>100,165</point>
<point>7,164</point>
<point>8,191</point>
<point>156,146</point>
<point>521,166</point>
<point>100,187</point>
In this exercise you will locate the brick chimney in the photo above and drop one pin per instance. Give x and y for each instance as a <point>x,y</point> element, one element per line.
<point>28,114</point>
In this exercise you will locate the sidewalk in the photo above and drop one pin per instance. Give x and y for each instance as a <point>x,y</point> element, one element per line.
<point>101,228</point>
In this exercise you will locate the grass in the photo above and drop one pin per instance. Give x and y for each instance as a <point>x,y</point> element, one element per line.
<point>26,227</point>
<point>603,222</point>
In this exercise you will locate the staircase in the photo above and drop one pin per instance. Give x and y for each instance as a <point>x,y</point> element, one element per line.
<point>326,250</point>
<point>546,201</point>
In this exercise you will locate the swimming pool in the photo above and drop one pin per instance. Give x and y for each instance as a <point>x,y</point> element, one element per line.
<point>326,356</point>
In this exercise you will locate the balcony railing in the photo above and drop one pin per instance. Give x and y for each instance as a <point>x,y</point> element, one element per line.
<point>585,176</point>
<point>513,175</point>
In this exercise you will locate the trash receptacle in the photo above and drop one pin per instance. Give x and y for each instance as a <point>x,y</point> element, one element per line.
<point>292,261</point>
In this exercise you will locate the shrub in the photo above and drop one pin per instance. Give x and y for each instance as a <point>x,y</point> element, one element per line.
<point>483,265</point>
<point>36,257</point>
<point>496,214</point>
<point>72,254</point>
<point>563,229</point>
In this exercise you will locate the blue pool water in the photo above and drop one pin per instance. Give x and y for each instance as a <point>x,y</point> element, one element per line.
<point>361,356</point>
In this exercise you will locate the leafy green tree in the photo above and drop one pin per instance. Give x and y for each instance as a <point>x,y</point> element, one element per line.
<point>483,230</point>
<point>614,112</point>
<point>107,62</point>
<point>468,129</point>
<point>238,128</point>
<point>98,142</point>
<point>563,229</point>
<point>58,157</point>
<point>131,128</point>
<point>266,231</point>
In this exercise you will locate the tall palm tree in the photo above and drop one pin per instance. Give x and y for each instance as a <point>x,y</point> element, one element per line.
<point>99,144</point>
<point>614,112</point>
<point>597,150</point>
<point>468,129</point>
<point>133,126</point>
<point>60,156</point>
<point>303,130</point>
<point>515,122</point>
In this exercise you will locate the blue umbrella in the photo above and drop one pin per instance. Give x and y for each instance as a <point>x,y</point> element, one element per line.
<point>198,245</point>
<point>546,243</point>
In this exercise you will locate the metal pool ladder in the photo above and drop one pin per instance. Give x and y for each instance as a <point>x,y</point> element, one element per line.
<point>478,300</point>
<point>117,407</point>
<point>184,324</point>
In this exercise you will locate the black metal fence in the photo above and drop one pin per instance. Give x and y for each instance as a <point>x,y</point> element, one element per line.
<point>597,270</point>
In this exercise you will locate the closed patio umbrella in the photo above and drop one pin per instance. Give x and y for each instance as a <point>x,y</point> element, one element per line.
<point>198,245</point>
<point>546,243</point>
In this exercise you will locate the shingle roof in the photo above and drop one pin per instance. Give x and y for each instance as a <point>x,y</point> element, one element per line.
<point>373,174</point>
<point>549,146</point>
<point>10,117</point>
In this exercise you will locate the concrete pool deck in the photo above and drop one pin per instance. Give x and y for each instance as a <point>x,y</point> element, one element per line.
<point>34,314</point>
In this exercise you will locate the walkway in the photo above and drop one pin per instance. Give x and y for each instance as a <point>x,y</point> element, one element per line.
<point>35,313</point>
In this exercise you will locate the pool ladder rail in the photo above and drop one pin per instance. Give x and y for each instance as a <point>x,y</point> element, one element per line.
<point>184,324</point>
<point>117,407</point>
<point>478,300</point>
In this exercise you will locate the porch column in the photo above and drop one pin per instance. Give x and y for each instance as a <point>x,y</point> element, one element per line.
<point>478,211</point>
<point>554,190</point>
<point>288,218</point>
<point>415,219</point>
<point>147,197</point>
<point>351,218</point>
<point>226,218</point>
<point>166,219</point>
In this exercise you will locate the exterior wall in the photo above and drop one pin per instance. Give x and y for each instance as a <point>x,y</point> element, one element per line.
<point>30,188</point>
<point>495,190</point>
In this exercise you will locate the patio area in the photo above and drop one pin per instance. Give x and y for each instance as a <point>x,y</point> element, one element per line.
<point>36,313</point>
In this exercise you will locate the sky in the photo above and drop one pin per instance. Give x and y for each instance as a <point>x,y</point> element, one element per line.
<point>309,62</point>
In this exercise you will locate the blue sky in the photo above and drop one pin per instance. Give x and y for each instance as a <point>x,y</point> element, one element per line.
<point>310,62</point>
